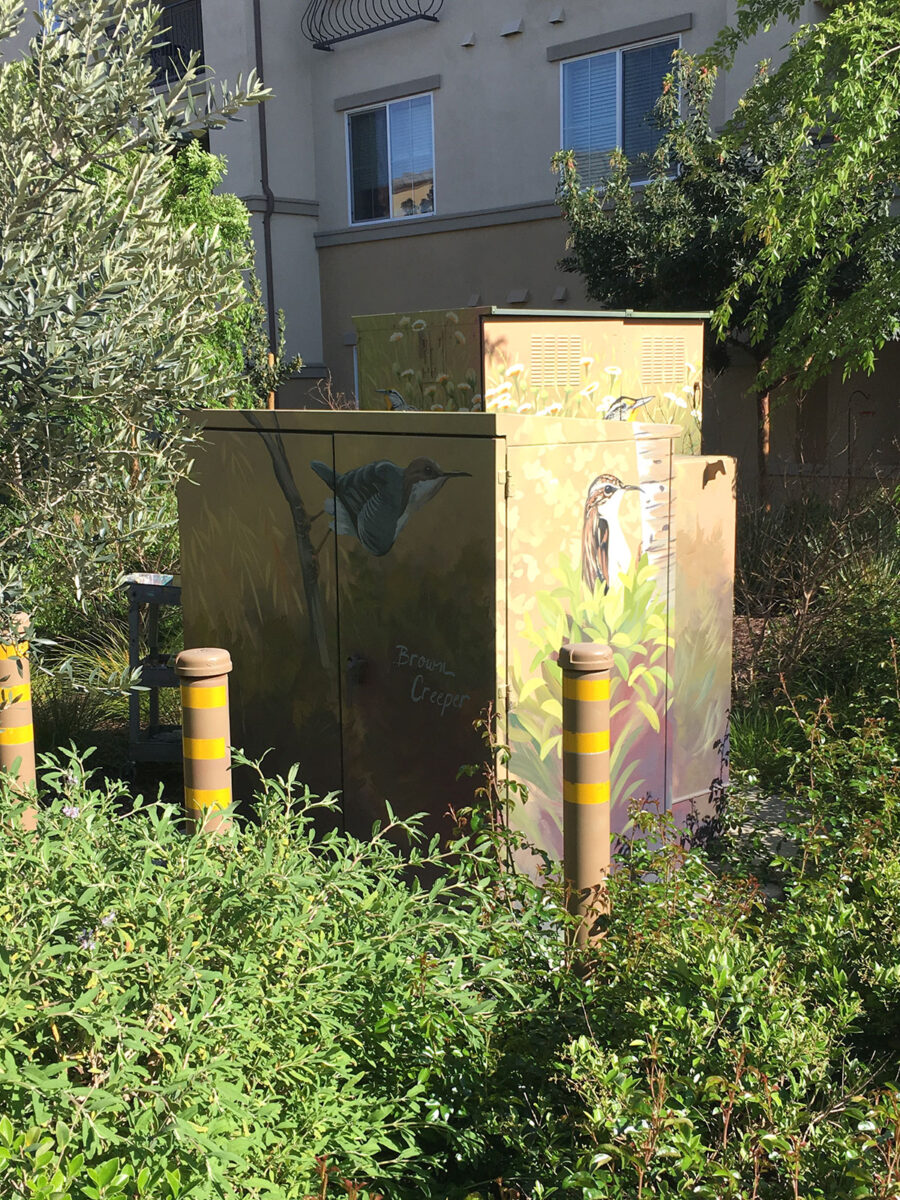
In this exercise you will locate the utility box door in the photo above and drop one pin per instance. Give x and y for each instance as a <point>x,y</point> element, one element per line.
<point>589,561</point>
<point>415,526</point>
<point>259,579</point>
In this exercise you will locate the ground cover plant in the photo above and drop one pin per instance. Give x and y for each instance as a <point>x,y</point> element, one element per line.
<point>272,1014</point>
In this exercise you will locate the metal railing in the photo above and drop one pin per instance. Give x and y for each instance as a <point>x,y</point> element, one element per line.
<point>181,35</point>
<point>326,22</point>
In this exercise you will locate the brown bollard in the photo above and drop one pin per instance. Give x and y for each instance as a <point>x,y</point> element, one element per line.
<point>16,722</point>
<point>585,679</point>
<point>205,736</point>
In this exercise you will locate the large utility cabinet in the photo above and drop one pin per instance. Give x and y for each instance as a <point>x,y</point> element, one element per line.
<point>381,578</point>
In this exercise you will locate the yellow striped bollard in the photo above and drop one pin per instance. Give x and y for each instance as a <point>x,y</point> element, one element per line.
<point>16,724</point>
<point>205,736</point>
<point>585,679</point>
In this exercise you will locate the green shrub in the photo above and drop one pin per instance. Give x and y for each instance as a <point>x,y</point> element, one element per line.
<point>242,1008</point>
<point>272,1014</point>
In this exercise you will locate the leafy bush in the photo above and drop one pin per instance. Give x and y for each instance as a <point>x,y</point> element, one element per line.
<point>272,1014</point>
<point>817,591</point>
<point>238,1009</point>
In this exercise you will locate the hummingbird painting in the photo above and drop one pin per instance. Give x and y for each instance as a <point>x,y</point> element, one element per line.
<point>604,550</point>
<point>374,502</point>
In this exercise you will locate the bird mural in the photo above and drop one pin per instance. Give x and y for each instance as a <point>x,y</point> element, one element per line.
<point>622,408</point>
<point>395,401</point>
<point>604,550</point>
<point>374,502</point>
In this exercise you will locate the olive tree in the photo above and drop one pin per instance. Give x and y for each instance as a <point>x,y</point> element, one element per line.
<point>106,300</point>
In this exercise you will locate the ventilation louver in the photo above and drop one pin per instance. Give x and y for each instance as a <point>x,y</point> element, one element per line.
<point>555,361</point>
<point>662,360</point>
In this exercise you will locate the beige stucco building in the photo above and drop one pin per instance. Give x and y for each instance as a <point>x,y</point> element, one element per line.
<point>409,168</point>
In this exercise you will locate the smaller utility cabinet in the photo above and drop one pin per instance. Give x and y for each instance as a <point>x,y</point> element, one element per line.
<point>600,365</point>
<point>381,578</point>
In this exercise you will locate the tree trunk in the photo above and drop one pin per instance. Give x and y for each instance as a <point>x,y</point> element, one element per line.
<point>763,443</point>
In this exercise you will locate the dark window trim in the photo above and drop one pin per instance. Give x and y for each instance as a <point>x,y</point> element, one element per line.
<point>393,91</point>
<point>651,31</point>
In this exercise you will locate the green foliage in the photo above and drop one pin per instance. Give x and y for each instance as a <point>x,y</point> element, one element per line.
<point>106,302</point>
<point>270,1014</point>
<point>238,346</point>
<point>237,1009</point>
<point>818,598</point>
<point>823,207</point>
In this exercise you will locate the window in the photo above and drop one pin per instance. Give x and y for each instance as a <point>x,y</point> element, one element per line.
<point>607,101</point>
<point>391,149</point>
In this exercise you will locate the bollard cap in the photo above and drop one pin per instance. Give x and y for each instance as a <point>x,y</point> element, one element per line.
<point>586,656</point>
<point>202,662</point>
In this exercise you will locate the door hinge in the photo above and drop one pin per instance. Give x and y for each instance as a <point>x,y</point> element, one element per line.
<point>504,478</point>
<point>503,696</point>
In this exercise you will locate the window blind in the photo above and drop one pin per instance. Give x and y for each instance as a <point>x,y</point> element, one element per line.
<point>643,71</point>
<point>369,165</point>
<point>412,156</point>
<point>589,114</point>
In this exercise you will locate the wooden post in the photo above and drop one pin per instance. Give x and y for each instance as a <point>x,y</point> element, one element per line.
<point>586,667</point>
<point>271,361</point>
<point>206,736</point>
<point>16,722</point>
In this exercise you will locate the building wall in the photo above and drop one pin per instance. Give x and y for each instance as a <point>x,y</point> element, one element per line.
<point>496,108</point>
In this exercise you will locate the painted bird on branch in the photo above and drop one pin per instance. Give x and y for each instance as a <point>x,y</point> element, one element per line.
<point>604,551</point>
<point>374,502</point>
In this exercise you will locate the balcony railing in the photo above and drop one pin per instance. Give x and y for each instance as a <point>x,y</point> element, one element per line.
<point>181,35</point>
<point>326,22</point>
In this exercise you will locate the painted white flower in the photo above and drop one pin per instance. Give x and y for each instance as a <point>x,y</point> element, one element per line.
<point>690,366</point>
<point>477,402</point>
<point>680,401</point>
<point>501,390</point>
<point>515,370</point>
<point>419,325</point>
<point>396,337</point>
<point>442,379</point>
<point>404,321</point>
<point>437,408</point>
<point>671,396</point>
<point>587,361</point>
<point>460,336</point>
<point>697,415</point>
<point>688,387</point>
<point>505,401</point>
<point>409,373</point>
<point>614,371</point>
<point>525,406</point>
<point>452,316</point>
<point>589,388</point>
<point>554,407</point>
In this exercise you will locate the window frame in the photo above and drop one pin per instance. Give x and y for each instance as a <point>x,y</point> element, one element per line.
<point>386,104</point>
<point>618,51</point>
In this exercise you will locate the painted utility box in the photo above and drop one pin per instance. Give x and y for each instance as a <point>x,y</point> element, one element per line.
<point>606,365</point>
<point>380,578</point>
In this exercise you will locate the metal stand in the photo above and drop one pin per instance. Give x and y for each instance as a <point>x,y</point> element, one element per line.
<point>156,743</point>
